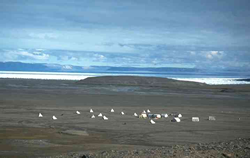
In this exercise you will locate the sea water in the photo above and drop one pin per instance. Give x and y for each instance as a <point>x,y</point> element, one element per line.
<point>202,78</point>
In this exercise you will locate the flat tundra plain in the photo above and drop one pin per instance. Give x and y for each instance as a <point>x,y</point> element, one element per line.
<point>24,134</point>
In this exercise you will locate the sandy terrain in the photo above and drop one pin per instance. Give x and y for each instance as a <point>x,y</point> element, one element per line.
<point>24,134</point>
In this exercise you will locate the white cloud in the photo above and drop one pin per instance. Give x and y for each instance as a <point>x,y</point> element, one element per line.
<point>155,61</point>
<point>34,55</point>
<point>99,57</point>
<point>67,67</point>
<point>214,54</point>
<point>87,67</point>
<point>73,58</point>
<point>63,57</point>
<point>40,49</point>
<point>67,58</point>
<point>209,56</point>
<point>192,53</point>
<point>43,35</point>
<point>13,55</point>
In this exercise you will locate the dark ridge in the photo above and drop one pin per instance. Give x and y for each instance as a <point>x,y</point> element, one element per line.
<point>244,79</point>
<point>138,81</point>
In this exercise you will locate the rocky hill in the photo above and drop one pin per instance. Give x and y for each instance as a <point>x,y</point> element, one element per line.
<point>138,81</point>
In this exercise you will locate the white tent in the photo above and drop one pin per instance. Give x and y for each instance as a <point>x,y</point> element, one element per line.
<point>91,110</point>
<point>40,115</point>
<point>211,118</point>
<point>143,115</point>
<point>156,116</point>
<point>54,118</point>
<point>176,119</point>
<point>122,113</point>
<point>179,115</point>
<point>152,121</point>
<point>100,115</point>
<point>93,116</point>
<point>164,115</point>
<point>195,119</point>
<point>105,118</point>
<point>112,110</point>
<point>135,114</point>
<point>78,113</point>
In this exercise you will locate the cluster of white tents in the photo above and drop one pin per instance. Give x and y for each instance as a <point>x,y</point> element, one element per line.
<point>53,117</point>
<point>145,114</point>
<point>151,116</point>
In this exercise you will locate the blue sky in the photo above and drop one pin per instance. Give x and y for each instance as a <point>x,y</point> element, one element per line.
<point>176,33</point>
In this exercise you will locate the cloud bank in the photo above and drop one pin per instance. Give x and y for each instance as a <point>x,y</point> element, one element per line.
<point>171,58</point>
<point>140,33</point>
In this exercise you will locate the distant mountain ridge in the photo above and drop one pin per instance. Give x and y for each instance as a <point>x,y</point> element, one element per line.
<point>18,66</point>
<point>158,69</point>
<point>43,67</point>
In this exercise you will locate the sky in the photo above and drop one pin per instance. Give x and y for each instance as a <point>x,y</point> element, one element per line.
<point>140,33</point>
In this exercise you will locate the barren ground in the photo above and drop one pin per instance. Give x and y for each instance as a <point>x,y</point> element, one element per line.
<point>23,134</point>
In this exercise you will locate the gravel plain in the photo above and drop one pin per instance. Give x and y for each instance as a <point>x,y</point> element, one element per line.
<point>23,134</point>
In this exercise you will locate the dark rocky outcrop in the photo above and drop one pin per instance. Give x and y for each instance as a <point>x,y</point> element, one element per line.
<point>138,81</point>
